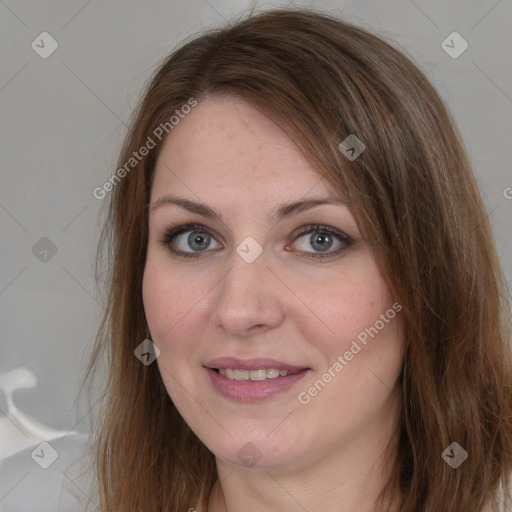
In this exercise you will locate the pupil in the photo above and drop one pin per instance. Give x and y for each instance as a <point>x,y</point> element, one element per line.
<point>198,242</point>
<point>321,242</point>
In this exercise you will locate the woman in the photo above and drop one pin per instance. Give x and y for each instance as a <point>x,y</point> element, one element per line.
<point>306,308</point>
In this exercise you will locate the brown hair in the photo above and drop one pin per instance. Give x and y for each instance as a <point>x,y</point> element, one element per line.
<point>415,199</point>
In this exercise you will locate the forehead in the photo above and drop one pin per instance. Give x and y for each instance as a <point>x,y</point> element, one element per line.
<point>224,145</point>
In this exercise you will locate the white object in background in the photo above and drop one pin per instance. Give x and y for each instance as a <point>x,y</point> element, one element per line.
<point>19,431</point>
<point>36,461</point>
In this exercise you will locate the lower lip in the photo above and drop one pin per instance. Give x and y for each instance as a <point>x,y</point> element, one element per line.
<point>252,390</point>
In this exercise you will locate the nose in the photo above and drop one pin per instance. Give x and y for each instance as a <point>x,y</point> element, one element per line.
<point>249,299</point>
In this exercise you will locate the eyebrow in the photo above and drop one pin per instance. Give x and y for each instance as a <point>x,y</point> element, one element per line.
<point>281,212</point>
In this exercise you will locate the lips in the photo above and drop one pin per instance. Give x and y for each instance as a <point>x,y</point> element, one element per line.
<point>248,390</point>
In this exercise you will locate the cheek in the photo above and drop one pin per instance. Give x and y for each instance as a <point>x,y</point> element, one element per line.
<point>176,316</point>
<point>168,303</point>
<point>346,307</point>
<point>360,339</point>
<point>157,293</point>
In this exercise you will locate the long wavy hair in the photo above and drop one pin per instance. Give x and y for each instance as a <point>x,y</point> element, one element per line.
<point>415,198</point>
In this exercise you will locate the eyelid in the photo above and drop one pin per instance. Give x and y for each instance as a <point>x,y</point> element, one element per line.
<point>312,228</point>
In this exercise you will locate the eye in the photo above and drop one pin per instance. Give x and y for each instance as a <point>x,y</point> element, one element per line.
<point>314,241</point>
<point>189,240</point>
<point>321,241</point>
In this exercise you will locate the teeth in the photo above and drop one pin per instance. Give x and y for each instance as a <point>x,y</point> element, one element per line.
<point>263,374</point>
<point>258,374</point>
<point>272,373</point>
<point>241,374</point>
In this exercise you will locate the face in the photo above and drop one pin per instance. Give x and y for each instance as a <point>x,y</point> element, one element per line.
<point>280,343</point>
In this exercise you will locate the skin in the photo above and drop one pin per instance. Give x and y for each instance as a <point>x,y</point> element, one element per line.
<point>329,453</point>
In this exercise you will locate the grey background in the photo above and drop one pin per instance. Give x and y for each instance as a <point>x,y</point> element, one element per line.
<point>62,123</point>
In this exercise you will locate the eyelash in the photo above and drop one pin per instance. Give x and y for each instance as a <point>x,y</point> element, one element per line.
<point>172,232</point>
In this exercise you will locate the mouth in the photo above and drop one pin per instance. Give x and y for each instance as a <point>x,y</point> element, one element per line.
<point>254,375</point>
<point>253,379</point>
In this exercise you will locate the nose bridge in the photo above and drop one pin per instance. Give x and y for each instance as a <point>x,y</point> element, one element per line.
<point>245,282</point>
<point>247,297</point>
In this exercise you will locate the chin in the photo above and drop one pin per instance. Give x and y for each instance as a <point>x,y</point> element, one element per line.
<point>253,451</point>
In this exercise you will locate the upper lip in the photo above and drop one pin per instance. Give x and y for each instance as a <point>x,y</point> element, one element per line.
<point>257,363</point>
